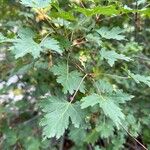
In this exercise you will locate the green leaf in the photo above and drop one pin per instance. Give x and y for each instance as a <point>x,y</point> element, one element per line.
<point>92,137</point>
<point>106,101</point>
<point>2,38</point>
<point>109,107</point>
<point>114,33</point>
<point>112,56</point>
<point>90,100</point>
<point>24,69</point>
<point>121,97</point>
<point>52,44</point>
<point>69,80</point>
<point>118,141</point>
<point>32,143</point>
<point>58,111</point>
<point>63,14</point>
<point>105,129</point>
<point>76,134</point>
<point>140,78</point>
<point>36,3</point>
<point>41,65</point>
<point>97,148</point>
<point>64,42</point>
<point>145,11</point>
<point>25,44</point>
<point>104,10</point>
<point>103,86</point>
<point>110,10</point>
<point>11,137</point>
<point>94,39</point>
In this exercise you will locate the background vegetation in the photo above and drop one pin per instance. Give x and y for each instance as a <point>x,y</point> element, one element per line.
<point>74,74</point>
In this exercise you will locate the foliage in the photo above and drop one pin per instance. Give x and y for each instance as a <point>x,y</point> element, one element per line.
<point>36,3</point>
<point>58,111</point>
<point>69,80</point>
<point>74,74</point>
<point>114,33</point>
<point>106,100</point>
<point>112,56</point>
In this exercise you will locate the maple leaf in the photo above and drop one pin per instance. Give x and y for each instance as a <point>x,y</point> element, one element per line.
<point>140,78</point>
<point>25,44</point>
<point>58,111</point>
<point>114,33</point>
<point>112,56</point>
<point>104,10</point>
<point>52,44</point>
<point>106,101</point>
<point>109,107</point>
<point>36,3</point>
<point>105,129</point>
<point>69,80</point>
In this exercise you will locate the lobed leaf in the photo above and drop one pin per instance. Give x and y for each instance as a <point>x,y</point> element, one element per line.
<point>113,33</point>
<point>140,78</point>
<point>69,80</point>
<point>58,111</point>
<point>36,3</point>
<point>25,44</point>
<point>52,44</point>
<point>104,10</point>
<point>107,102</point>
<point>112,56</point>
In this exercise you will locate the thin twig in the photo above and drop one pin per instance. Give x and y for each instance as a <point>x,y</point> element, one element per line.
<point>146,6</point>
<point>71,38</point>
<point>45,37</point>
<point>82,4</point>
<point>134,137</point>
<point>47,21</point>
<point>145,59</point>
<point>110,75</point>
<point>30,120</point>
<point>80,67</point>
<point>78,88</point>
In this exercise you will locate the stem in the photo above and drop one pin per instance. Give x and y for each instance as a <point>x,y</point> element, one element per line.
<point>71,38</point>
<point>133,137</point>
<point>78,87</point>
<point>47,21</point>
<point>30,120</point>
<point>82,4</point>
<point>45,37</point>
<point>80,68</point>
<point>143,58</point>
